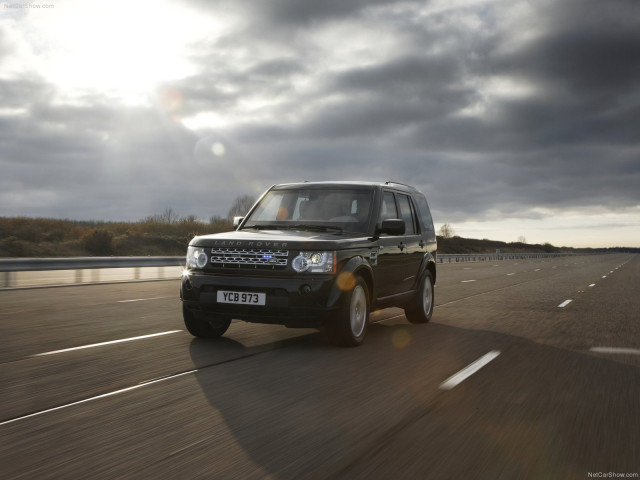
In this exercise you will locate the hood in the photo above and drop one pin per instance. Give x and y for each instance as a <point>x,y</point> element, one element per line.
<point>280,239</point>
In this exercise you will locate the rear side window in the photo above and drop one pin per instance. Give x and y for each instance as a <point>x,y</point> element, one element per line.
<point>423,211</point>
<point>388,209</point>
<point>406,215</point>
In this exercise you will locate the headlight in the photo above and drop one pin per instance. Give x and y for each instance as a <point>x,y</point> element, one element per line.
<point>196,257</point>
<point>314,262</point>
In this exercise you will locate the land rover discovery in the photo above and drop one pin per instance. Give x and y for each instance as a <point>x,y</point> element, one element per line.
<point>321,255</point>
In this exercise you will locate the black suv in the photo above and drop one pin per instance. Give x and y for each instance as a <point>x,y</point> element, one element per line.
<point>319,255</point>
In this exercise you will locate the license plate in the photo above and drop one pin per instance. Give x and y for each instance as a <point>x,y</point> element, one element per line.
<point>241,298</point>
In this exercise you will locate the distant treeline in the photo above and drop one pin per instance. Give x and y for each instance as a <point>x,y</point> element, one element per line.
<point>156,235</point>
<point>169,234</point>
<point>470,245</point>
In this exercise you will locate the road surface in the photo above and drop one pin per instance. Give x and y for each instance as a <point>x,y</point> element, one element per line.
<point>529,369</point>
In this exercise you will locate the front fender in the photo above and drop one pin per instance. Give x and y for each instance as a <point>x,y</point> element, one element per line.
<point>356,265</point>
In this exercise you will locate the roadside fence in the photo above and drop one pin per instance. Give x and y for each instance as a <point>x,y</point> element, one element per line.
<point>43,272</point>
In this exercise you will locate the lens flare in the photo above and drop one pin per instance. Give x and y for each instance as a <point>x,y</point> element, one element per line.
<point>170,99</point>
<point>401,338</point>
<point>283,213</point>
<point>346,281</point>
<point>218,149</point>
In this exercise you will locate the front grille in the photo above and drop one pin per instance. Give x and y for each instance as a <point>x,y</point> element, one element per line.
<point>249,258</point>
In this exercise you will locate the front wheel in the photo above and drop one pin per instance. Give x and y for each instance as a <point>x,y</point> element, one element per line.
<point>420,309</point>
<point>210,328</point>
<point>349,329</point>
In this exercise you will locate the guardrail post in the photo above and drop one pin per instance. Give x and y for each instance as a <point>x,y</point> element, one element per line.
<point>79,275</point>
<point>6,280</point>
<point>136,273</point>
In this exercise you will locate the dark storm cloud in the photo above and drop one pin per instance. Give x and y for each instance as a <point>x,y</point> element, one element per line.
<point>585,69</point>
<point>591,46</point>
<point>102,162</point>
<point>291,13</point>
<point>419,101</point>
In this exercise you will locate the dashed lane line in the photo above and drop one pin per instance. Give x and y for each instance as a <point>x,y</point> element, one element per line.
<point>614,350</point>
<point>134,387</point>
<point>90,399</point>
<point>141,299</point>
<point>131,339</point>
<point>469,370</point>
<point>565,303</point>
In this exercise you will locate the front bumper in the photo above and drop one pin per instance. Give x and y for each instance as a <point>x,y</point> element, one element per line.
<point>300,301</point>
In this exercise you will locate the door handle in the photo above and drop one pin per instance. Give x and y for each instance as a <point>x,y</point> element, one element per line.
<point>401,246</point>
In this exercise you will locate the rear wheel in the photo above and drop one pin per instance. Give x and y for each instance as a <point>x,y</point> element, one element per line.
<point>349,329</point>
<point>212,327</point>
<point>420,308</point>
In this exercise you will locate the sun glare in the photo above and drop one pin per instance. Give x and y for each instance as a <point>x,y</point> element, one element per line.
<point>122,49</point>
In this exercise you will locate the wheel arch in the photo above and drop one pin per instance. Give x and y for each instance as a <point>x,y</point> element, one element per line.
<point>355,266</point>
<point>428,264</point>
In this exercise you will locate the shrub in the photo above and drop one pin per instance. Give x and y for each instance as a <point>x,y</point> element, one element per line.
<point>98,241</point>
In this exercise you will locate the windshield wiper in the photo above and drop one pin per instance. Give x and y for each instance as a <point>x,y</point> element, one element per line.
<point>296,226</point>
<point>265,227</point>
<point>314,228</point>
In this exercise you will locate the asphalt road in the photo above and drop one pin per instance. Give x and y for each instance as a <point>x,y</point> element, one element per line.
<point>556,395</point>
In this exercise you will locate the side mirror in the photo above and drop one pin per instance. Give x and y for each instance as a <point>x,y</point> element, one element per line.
<point>394,226</point>
<point>237,221</point>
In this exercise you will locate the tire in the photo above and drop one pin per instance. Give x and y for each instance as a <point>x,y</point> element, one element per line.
<point>211,328</point>
<point>420,309</point>
<point>350,328</point>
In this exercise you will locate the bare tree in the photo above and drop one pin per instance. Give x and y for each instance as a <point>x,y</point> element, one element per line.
<point>522,239</point>
<point>446,231</point>
<point>241,206</point>
<point>168,216</point>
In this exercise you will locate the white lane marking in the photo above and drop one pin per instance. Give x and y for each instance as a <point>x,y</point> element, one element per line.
<point>622,351</point>
<point>104,395</point>
<point>140,299</point>
<point>537,270</point>
<point>467,281</point>
<point>592,285</point>
<point>604,276</point>
<point>469,370</point>
<point>508,274</point>
<point>131,339</point>
<point>467,268</point>
<point>565,303</point>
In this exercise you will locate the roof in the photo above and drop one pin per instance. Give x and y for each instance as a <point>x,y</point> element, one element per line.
<point>343,183</point>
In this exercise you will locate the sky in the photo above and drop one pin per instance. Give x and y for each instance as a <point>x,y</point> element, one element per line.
<point>515,118</point>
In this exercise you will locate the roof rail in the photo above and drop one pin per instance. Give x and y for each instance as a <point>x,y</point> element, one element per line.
<point>397,183</point>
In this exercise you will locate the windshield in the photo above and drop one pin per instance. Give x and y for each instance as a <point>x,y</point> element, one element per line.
<point>313,209</point>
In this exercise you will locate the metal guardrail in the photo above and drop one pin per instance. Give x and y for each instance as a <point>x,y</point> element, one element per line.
<point>81,264</point>
<point>485,257</point>
<point>8,266</point>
